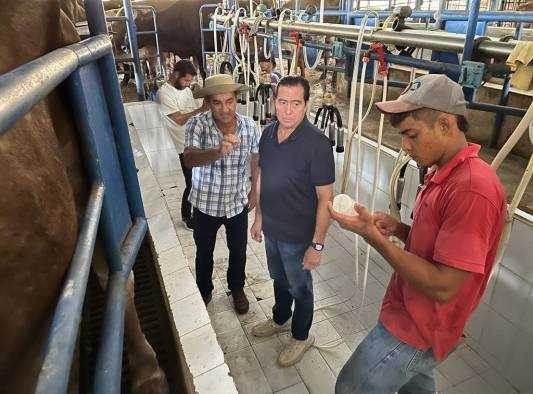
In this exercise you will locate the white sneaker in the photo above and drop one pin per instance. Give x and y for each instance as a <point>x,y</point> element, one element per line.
<point>267,328</point>
<point>294,351</point>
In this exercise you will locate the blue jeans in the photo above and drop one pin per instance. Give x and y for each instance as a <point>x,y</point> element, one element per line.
<point>291,283</point>
<point>382,364</point>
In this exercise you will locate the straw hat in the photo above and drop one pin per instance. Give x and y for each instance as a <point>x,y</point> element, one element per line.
<point>217,84</point>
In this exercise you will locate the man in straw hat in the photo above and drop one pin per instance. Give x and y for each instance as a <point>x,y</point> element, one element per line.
<point>219,144</point>
<point>441,274</point>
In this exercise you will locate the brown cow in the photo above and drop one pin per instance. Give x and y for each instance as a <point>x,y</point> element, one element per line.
<point>178,25</point>
<point>45,194</point>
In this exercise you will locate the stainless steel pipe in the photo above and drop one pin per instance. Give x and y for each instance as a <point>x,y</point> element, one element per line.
<point>439,41</point>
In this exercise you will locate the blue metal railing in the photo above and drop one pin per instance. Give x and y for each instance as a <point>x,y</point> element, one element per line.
<point>114,207</point>
<point>62,340</point>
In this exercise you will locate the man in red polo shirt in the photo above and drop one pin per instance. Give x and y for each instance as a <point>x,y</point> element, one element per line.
<point>441,274</point>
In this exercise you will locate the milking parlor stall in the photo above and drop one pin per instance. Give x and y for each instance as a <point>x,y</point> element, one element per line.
<point>101,291</point>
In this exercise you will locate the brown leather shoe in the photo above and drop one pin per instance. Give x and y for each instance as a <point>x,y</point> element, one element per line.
<point>207,298</point>
<point>240,301</point>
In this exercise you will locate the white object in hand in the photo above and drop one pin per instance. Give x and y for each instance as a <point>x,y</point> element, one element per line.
<point>344,204</point>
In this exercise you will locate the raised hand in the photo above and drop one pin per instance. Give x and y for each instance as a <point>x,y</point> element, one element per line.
<point>229,141</point>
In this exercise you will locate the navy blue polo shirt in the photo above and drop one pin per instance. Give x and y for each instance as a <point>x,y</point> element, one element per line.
<point>289,173</point>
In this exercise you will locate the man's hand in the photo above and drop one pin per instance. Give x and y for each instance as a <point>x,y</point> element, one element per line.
<point>385,223</point>
<point>362,224</point>
<point>229,141</point>
<point>252,200</point>
<point>311,259</point>
<point>255,231</point>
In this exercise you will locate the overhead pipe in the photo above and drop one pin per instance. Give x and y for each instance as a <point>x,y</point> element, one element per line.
<point>424,39</point>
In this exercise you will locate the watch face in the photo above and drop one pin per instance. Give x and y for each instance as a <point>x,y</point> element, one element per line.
<point>318,247</point>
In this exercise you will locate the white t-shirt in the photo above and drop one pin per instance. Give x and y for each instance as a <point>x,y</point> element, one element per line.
<point>172,100</point>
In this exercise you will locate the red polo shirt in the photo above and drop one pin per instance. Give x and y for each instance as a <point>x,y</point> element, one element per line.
<point>458,219</point>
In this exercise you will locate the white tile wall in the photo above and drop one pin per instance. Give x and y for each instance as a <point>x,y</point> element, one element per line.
<point>510,295</point>
<point>520,363</point>
<point>519,251</point>
<point>498,335</point>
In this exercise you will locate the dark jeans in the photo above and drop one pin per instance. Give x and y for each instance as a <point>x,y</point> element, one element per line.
<point>205,232</point>
<point>291,283</point>
<point>186,206</point>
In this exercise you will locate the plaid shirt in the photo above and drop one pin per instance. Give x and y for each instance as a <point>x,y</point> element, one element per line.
<point>220,188</point>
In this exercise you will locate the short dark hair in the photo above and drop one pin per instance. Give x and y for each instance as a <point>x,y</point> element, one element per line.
<point>428,116</point>
<point>295,80</point>
<point>184,67</point>
<point>263,59</point>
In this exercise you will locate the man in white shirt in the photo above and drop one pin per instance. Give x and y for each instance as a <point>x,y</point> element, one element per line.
<point>177,104</point>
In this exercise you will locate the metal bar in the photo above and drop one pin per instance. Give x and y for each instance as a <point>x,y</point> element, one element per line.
<point>469,41</point>
<point>134,49</point>
<point>471,30</point>
<point>437,67</point>
<point>498,119</point>
<point>147,32</point>
<point>84,123</point>
<point>448,15</point>
<point>203,30</point>
<point>92,49</point>
<point>22,88</point>
<point>130,59</point>
<point>109,359</point>
<point>96,20</point>
<point>423,39</point>
<point>520,112</point>
<point>25,86</point>
<point>155,32</point>
<point>55,371</point>
<point>116,18</point>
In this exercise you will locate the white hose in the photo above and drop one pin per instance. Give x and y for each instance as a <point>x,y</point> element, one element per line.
<point>376,178</point>
<point>348,153</point>
<point>319,52</point>
<point>280,30</point>
<point>525,123</point>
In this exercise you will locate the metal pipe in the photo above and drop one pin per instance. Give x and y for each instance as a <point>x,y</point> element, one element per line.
<point>471,30</point>
<point>498,119</point>
<point>447,15</point>
<point>116,18</point>
<point>109,360</point>
<point>520,112</point>
<point>24,87</point>
<point>438,67</point>
<point>55,371</point>
<point>155,32</point>
<point>469,42</point>
<point>134,49</point>
<point>97,25</point>
<point>428,40</point>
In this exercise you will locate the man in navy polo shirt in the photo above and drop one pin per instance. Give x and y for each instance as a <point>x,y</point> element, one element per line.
<point>297,172</point>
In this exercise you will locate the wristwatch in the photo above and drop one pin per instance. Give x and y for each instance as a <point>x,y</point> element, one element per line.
<point>318,247</point>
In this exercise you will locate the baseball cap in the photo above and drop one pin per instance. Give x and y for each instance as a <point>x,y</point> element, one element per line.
<point>435,91</point>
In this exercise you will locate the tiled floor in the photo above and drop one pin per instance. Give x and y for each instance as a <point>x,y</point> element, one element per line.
<point>252,361</point>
